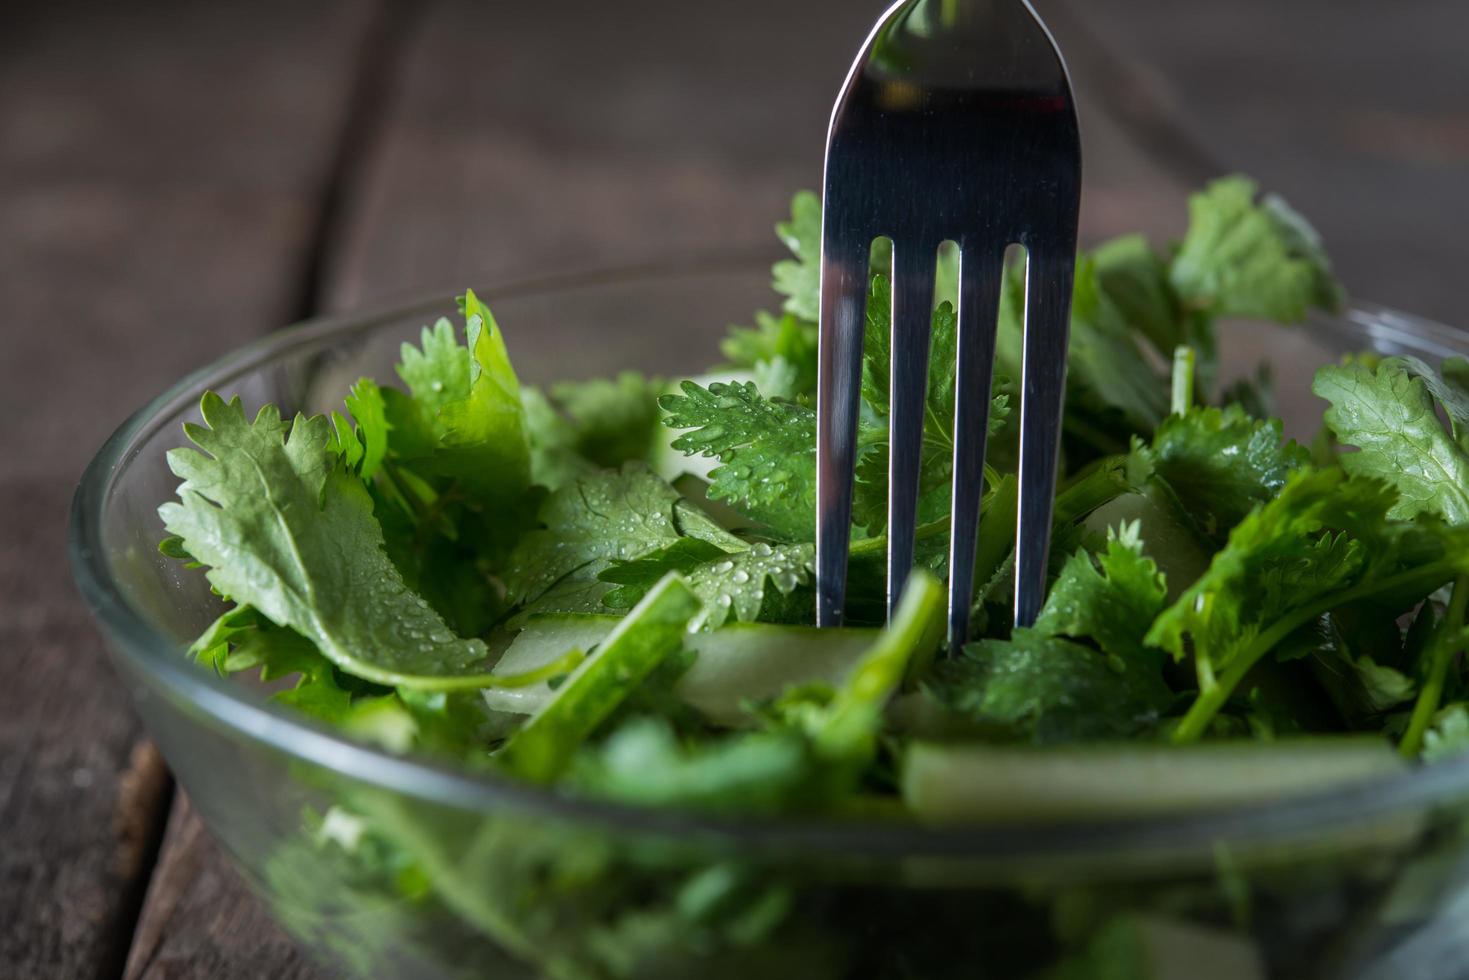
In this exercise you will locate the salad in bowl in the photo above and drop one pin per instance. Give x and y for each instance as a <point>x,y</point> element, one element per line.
<point>583,613</point>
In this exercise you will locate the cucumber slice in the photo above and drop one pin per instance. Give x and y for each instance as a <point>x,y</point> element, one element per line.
<point>738,662</point>
<point>986,784</point>
<point>653,629</point>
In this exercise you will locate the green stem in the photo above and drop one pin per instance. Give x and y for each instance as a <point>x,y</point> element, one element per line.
<point>1445,645</point>
<point>1183,379</point>
<point>1212,697</point>
<point>1102,485</point>
<point>878,546</point>
<point>1095,488</point>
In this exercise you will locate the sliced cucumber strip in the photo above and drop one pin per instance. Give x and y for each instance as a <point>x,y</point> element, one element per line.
<point>655,628</point>
<point>987,784</point>
<point>738,662</point>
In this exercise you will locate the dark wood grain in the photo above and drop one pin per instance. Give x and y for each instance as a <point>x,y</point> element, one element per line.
<point>160,173</point>
<point>627,133</point>
<point>200,920</point>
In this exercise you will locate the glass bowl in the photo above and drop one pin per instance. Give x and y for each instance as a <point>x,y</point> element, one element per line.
<point>392,866</point>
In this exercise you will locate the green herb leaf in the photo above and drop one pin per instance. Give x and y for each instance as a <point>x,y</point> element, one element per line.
<point>1277,558</point>
<point>483,442</point>
<point>606,516</point>
<point>436,372</point>
<point>281,529</point>
<point>799,279</point>
<point>370,413</point>
<point>1388,414</point>
<point>767,448</point>
<point>613,421</point>
<point>634,578</point>
<point>1113,600</point>
<point>787,341</point>
<point>728,583</point>
<point>1243,259</point>
<point>737,584</point>
<point>1041,688</point>
<point>1221,463</point>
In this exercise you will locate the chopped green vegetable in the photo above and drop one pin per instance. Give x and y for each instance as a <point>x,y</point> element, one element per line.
<point>652,630</point>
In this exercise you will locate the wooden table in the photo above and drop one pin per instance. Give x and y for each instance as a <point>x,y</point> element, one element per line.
<point>176,178</point>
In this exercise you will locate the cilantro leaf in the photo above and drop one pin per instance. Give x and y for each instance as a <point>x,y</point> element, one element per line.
<point>1449,388</point>
<point>737,584</point>
<point>370,413</point>
<point>799,278</point>
<point>1113,600</point>
<point>483,441</point>
<point>583,426</point>
<point>437,371</point>
<point>1276,558</point>
<point>728,583</point>
<point>1105,363</point>
<point>1243,259</point>
<point>869,508</point>
<point>284,530</point>
<point>242,639</point>
<point>605,516</point>
<point>634,578</point>
<point>785,343</point>
<point>767,450</point>
<point>1045,689</point>
<point>1221,463</point>
<point>613,420</point>
<point>1134,278</point>
<point>1112,389</point>
<point>1388,414</point>
<point>935,486</point>
<point>942,360</point>
<point>554,460</point>
<point>1326,541</point>
<point>345,441</point>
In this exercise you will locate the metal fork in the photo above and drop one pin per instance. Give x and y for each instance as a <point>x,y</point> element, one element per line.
<point>956,122</point>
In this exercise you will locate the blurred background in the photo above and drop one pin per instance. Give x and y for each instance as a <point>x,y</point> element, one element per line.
<point>177,178</point>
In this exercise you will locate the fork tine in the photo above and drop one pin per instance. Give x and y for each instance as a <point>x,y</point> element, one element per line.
<point>838,386</point>
<point>912,318</point>
<point>1049,269</point>
<point>980,272</point>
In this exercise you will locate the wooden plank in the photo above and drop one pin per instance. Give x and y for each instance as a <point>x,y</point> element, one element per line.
<point>201,921</point>
<point>1352,110</point>
<point>160,168</point>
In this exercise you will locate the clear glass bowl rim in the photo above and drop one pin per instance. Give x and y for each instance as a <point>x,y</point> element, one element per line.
<point>274,728</point>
